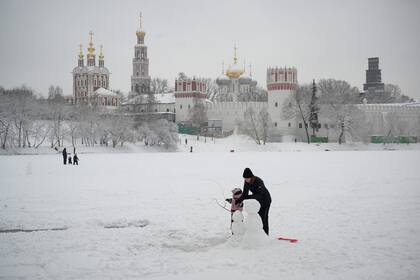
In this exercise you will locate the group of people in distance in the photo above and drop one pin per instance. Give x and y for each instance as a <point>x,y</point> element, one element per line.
<point>67,158</point>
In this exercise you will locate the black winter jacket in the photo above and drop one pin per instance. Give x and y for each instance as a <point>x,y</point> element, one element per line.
<point>259,192</point>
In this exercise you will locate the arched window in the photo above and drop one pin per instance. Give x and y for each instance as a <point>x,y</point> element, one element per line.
<point>300,125</point>
<point>289,125</point>
<point>276,104</point>
<point>275,124</point>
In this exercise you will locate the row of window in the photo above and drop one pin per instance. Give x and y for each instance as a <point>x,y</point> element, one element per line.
<point>97,81</point>
<point>105,101</point>
<point>283,77</point>
<point>81,94</point>
<point>326,126</point>
<point>277,104</point>
<point>167,110</point>
<point>142,54</point>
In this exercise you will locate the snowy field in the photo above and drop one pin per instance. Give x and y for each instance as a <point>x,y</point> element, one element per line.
<point>154,216</point>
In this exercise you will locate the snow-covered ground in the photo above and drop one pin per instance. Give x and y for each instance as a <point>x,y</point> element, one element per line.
<point>154,216</point>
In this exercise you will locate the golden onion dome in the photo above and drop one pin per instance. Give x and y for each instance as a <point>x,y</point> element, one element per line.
<point>140,33</point>
<point>234,71</point>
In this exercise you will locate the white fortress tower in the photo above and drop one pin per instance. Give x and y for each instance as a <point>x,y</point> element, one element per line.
<point>281,83</point>
<point>188,92</point>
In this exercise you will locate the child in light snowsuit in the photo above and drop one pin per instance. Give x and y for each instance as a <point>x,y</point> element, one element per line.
<point>236,193</point>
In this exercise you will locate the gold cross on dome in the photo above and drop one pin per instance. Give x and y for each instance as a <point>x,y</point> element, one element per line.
<point>91,34</point>
<point>140,20</point>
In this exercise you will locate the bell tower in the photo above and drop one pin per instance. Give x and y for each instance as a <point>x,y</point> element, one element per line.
<point>140,80</point>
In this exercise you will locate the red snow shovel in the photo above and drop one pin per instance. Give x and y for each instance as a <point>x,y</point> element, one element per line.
<point>291,240</point>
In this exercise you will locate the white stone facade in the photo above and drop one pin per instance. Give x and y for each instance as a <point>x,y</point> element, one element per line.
<point>91,82</point>
<point>281,83</point>
<point>188,92</point>
<point>231,112</point>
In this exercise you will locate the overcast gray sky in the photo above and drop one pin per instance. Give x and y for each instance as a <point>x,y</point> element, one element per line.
<point>322,39</point>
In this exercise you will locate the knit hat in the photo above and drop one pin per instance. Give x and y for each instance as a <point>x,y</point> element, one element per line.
<point>237,191</point>
<point>247,173</point>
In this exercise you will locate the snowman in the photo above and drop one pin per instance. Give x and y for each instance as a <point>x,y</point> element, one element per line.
<point>254,235</point>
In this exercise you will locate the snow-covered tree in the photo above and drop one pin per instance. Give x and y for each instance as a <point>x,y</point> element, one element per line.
<point>297,106</point>
<point>198,115</point>
<point>55,94</point>
<point>211,88</point>
<point>257,95</point>
<point>159,132</point>
<point>391,94</point>
<point>6,119</point>
<point>395,125</point>
<point>89,125</point>
<point>57,111</point>
<point>255,124</point>
<point>167,133</point>
<point>158,85</point>
<point>22,111</point>
<point>118,128</point>
<point>264,121</point>
<point>338,101</point>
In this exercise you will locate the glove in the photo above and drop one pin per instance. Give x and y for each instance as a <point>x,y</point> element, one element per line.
<point>237,202</point>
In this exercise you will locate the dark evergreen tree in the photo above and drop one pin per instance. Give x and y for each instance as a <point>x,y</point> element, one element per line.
<point>314,110</point>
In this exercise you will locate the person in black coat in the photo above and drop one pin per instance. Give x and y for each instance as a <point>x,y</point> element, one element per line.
<point>75,160</point>
<point>65,156</point>
<point>259,192</point>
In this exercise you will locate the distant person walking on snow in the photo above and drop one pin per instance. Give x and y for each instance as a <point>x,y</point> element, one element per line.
<point>70,160</point>
<point>75,160</point>
<point>259,192</point>
<point>65,156</point>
